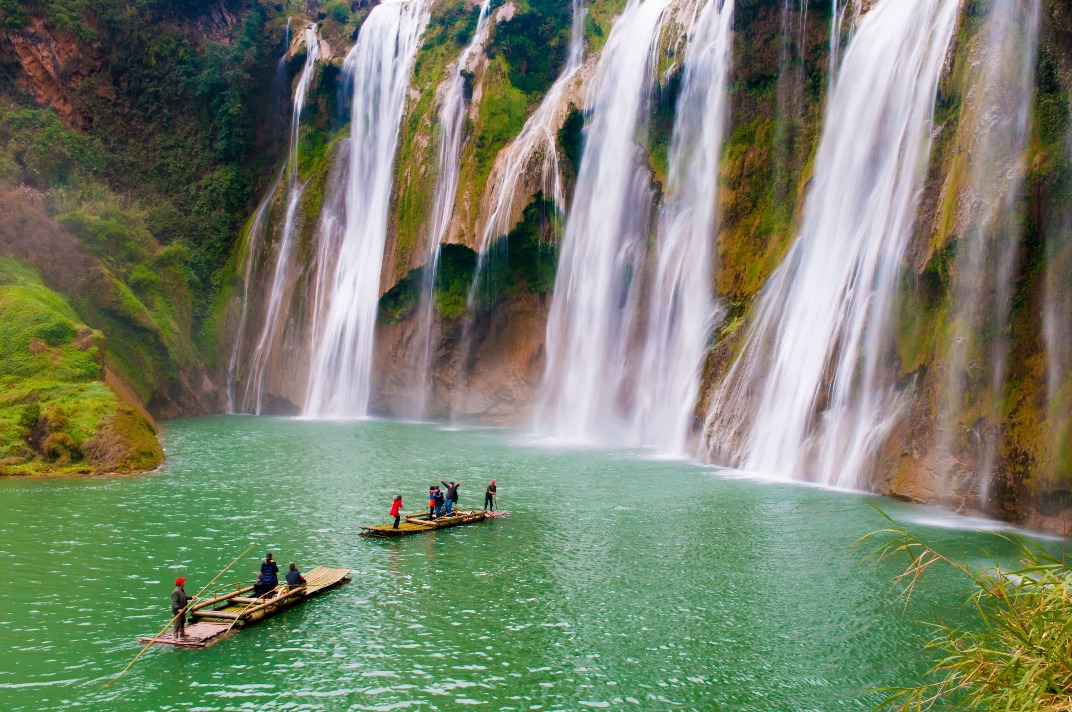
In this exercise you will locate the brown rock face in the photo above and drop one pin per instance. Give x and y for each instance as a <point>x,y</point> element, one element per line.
<point>485,372</point>
<point>50,63</point>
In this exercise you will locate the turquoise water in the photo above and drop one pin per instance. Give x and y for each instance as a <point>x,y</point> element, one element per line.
<point>618,581</point>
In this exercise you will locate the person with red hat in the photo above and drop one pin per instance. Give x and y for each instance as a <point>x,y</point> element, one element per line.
<point>179,601</point>
<point>489,497</point>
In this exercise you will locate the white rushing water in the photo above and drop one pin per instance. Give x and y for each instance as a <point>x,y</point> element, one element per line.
<point>809,394</point>
<point>681,307</point>
<point>626,336</point>
<point>605,238</point>
<point>451,119</point>
<point>274,315</point>
<point>251,399</point>
<point>987,253</point>
<point>379,66</point>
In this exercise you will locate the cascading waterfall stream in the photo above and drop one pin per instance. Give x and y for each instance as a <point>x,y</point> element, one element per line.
<point>258,228</point>
<point>608,301</point>
<point>810,395</point>
<point>452,112</point>
<point>605,238</point>
<point>379,66</point>
<point>252,400</point>
<point>681,306</point>
<point>988,251</point>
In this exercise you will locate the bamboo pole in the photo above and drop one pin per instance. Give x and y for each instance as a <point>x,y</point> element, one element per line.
<point>174,618</point>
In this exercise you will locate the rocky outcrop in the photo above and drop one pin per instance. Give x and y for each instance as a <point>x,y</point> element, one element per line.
<point>51,63</point>
<point>485,371</point>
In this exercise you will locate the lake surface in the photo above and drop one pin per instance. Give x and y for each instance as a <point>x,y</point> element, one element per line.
<point>618,581</point>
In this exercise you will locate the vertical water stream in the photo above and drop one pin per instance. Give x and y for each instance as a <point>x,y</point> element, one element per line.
<point>451,119</point>
<point>987,253</point>
<point>379,66</point>
<point>251,399</point>
<point>818,343</point>
<point>628,324</point>
<point>681,306</point>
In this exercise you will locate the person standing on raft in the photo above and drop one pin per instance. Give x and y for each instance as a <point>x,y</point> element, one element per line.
<point>179,601</point>
<point>489,497</point>
<point>439,499</point>
<point>431,502</point>
<point>452,495</point>
<point>396,510</point>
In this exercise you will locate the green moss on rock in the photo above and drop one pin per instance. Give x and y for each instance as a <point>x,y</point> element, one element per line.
<point>55,409</point>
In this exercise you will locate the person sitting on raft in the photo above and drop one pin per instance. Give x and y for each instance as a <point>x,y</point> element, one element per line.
<point>396,510</point>
<point>269,577</point>
<point>294,578</point>
<point>452,495</point>
<point>489,497</point>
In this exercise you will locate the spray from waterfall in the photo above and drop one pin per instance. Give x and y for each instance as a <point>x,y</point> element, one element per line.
<point>452,112</point>
<point>987,253</point>
<point>810,393</point>
<point>351,257</point>
<point>251,400</point>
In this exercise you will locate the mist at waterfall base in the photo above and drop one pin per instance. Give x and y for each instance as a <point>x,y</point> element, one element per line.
<point>617,580</point>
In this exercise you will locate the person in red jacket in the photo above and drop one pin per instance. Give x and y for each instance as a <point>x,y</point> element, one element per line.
<point>396,510</point>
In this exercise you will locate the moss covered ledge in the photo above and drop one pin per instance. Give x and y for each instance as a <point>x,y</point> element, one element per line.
<point>57,415</point>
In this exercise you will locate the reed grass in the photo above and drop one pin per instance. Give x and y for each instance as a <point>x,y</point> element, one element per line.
<point>1019,655</point>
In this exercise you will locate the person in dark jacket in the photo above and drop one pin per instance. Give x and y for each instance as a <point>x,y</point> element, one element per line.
<point>179,602</point>
<point>452,495</point>
<point>269,577</point>
<point>294,577</point>
<point>489,497</point>
<point>396,510</point>
<point>439,500</point>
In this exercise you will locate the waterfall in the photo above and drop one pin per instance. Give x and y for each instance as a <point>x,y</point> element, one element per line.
<point>681,305</point>
<point>987,253</point>
<point>819,340</point>
<point>252,401</point>
<point>605,238</point>
<point>252,393</point>
<point>609,301</point>
<point>452,112</point>
<point>379,66</point>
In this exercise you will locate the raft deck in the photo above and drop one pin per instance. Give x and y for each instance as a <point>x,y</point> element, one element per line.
<point>216,618</point>
<point>415,523</point>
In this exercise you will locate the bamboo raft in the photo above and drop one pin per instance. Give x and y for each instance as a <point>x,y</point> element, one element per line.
<point>218,617</point>
<point>414,523</point>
